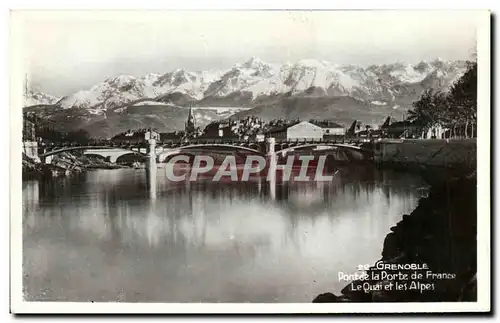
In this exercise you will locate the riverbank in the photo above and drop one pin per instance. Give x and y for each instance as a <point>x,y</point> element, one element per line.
<point>440,237</point>
<point>62,165</point>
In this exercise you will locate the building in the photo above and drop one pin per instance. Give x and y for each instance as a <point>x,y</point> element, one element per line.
<point>172,136</point>
<point>354,128</point>
<point>302,131</point>
<point>407,129</point>
<point>30,144</point>
<point>228,129</point>
<point>136,136</point>
<point>370,133</point>
<point>152,134</point>
<point>259,136</point>
<point>217,129</point>
<point>211,130</point>
<point>330,128</point>
<point>402,129</point>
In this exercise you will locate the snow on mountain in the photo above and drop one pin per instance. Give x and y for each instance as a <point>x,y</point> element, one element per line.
<point>114,91</point>
<point>307,73</point>
<point>193,84</point>
<point>209,114</point>
<point>255,78</point>
<point>375,82</point>
<point>38,98</point>
<point>148,102</point>
<point>380,103</point>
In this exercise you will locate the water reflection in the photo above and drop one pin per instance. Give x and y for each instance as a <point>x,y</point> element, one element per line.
<point>102,237</point>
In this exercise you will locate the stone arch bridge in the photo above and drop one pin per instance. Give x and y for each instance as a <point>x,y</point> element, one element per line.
<point>115,151</point>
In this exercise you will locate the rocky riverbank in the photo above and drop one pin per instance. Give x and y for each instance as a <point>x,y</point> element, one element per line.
<point>63,164</point>
<point>438,238</point>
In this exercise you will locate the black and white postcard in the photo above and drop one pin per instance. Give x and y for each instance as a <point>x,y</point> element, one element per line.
<point>250,161</point>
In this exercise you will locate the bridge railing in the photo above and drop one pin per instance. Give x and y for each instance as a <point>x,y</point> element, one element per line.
<point>240,141</point>
<point>199,141</point>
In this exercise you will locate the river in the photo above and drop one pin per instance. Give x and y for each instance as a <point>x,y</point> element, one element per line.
<point>101,237</point>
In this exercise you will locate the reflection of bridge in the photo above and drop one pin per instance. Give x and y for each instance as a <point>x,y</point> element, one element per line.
<point>152,152</point>
<point>115,150</point>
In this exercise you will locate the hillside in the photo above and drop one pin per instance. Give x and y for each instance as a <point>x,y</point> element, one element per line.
<point>142,114</point>
<point>163,118</point>
<point>306,89</point>
<point>342,109</point>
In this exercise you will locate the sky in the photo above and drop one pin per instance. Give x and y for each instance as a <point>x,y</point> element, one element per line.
<point>64,52</point>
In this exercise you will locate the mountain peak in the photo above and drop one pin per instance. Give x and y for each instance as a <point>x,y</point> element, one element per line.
<point>120,78</point>
<point>312,63</point>
<point>255,78</point>
<point>255,63</point>
<point>33,97</point>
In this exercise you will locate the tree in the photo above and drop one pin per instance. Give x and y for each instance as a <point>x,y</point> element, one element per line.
<point>463,99</point>
<point>455,109</point>
<point>429,110</point>
<point>80,136</point>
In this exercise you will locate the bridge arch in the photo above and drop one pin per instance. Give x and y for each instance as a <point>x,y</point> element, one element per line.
<point>235,147</point>
<point>132,155</point>
<point>98,156</point>
<point>209,147</point>
<point>364,152</point>
<point>113,153</point>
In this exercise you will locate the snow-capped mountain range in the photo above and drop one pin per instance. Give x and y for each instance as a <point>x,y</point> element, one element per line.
<point>255,79</point>
<point>38,98</point>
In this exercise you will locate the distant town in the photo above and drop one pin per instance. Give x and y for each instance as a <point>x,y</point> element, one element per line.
<point>436,115</point>
<point>249,129</point>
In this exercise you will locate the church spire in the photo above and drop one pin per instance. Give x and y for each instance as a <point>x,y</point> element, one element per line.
<point>191,116</point>
<point>190,127</point>
<point>26,86</point>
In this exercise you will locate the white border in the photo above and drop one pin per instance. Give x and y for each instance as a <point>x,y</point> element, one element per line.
<point>483,303</point>
<point>483,162</point>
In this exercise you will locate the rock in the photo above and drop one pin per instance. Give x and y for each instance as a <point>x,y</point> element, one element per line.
<point>440,232</point>
<point>469,291</point>
<point>326,298</point>
<point>391,246</point>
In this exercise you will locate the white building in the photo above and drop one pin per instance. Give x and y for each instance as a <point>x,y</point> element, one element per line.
<point>330,128</point>
<point>152,134</point>
<point>302,131</point>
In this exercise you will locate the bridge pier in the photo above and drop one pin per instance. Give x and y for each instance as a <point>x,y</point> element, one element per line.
<point>271,172</point>
<point>151,168</point>
<point>30,149</point>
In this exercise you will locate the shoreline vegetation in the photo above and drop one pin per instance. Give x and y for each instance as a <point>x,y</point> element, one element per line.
<point>439,234</point>
<point>62,165</point>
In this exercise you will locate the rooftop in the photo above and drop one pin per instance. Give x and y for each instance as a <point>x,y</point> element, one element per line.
<point>282,127</point>
<point>326,124</point>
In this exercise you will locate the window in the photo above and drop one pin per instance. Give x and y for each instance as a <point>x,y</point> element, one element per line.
<point>327,130</point>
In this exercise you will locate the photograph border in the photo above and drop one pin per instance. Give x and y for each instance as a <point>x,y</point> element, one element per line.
<point>483,304</point>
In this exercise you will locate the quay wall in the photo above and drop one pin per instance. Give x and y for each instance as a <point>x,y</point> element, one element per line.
<point>447,153</point>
